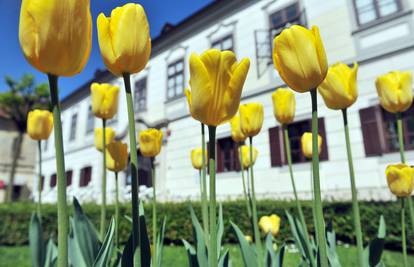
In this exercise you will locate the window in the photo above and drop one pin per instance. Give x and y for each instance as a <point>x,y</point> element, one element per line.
<point>68,175</point>
<point>371,10</point>
<point>42,182</point>
<point>225,43</point>
<point>280,19</point>
<point>52,180</point>
<point>175,79</point>
<point>227,155</point>
<point>73,127</point>
<point>144,171</point>
<point>295,130</point>
<point>90,122</point>
<point>379,130</point>
<point>140,95</point>
<point>85,176</point>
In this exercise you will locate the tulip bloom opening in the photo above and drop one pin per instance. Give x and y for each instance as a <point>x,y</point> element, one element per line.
<point>236,132</point>
<point>306,144</point>
<point>270,224</point>
<point>400,179</point>
<point>150,142</point>
<point>39,124</point>
<point>197,158</point>
<point>284,105</point>
<point>104,100</point>
<point>251,118</point>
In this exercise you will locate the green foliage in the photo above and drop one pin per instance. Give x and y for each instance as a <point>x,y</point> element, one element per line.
<point>15,218</point>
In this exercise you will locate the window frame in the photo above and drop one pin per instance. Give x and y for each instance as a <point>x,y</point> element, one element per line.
<point>174,75</point>
<point>220,41</point>
<point>90,117</point>
<point>143,80</point>
<point>73,127</point>
<point>83,182</point>
<point>234,161</point>
<point>53,180</point>
<point>378,16</point>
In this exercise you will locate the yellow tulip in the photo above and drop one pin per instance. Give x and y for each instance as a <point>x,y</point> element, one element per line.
<point>400,179</point>
<point>284,105</point>
<point>39,124</point>
<point>116,156</point>
<point>150,142</point>
<point>299,57</point>
<point>109,137</point>
<point>339,89</point>
<point>306,141</point>
<point>251,118</point>
<point>197,158</point>
<point>395,91</point>
<point>236,133</point>
<point>248,238</point>
<point>56,35</point>
<point>216,81</point>
<point>270,224</point>
<point>124,39</point>
<point>104,100</point>
<point>245,151</point>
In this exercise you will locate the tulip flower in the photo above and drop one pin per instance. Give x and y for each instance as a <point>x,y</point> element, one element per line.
<point>39,124</point>
<point>248,238</point>
<point>150,142</point>
<point>270,224</point>
<point>246,161</point>
<point>124,39</point>
<point>216,81</point>
<point>339,89</point>
<point>284,105</point>
<point>251,118</point>
<point>197,158</point>
<point>236,133</point>
<point>395,91</point>
<point>299,57</point>
<point>109,134</point>
<point>306,141</point>
<point>116,156</point>
<point>56,35</point>
<point>104,100</point>
<point>400,179</point>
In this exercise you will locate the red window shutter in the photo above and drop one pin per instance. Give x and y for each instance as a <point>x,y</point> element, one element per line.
<point>277,154</point>
<point>52,180</point>
<point>68,178</point>
<point>371,131</point>
<point>42,182</point>
<point>321,130</point>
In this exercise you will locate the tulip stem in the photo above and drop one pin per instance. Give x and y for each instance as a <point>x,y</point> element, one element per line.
<point>204,205</point>
<point>355,205</point>
<point>403,237</point>
<point>62,260</point>
<point>103,204</point>
<point>298,205</point>
<point>136,237</point>
<point>116,211</point>
<point>402,155</point>
<point>154,214</point>
<point>254,208</point>
<point>320,223</point>
<point>39,181</point>
<point>249,211</point>
<point>213,224</point>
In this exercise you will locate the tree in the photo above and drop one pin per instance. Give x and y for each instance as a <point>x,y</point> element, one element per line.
<point>23,95</point>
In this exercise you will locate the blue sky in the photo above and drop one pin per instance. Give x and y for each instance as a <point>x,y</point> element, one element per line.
<point>13,63</point>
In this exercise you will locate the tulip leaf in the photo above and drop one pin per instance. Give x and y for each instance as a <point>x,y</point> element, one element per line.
<point>127,259</point>
<point>220,229</point>
<point>37,244</point>
<point>331,246</point>
<point>373,252</point>
<point>270,252</point>
<point>160,242</point>
<point>75,254</point>
<point>278,261</point>
<point>191,253</point>
<point>224,259</point>
<point>299,236</point>
<point>51,254</point>
<point>105,253</point>
<point>145,243</point>
<point>199,239</point>
<point>247,251</point>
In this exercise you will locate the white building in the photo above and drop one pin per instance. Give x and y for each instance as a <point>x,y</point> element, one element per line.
<point>378,34</point>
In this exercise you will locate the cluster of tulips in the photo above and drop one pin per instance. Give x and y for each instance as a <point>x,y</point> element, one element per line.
<point>55,37</point>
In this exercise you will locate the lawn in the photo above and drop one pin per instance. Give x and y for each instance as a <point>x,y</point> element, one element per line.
<point>176,256</point>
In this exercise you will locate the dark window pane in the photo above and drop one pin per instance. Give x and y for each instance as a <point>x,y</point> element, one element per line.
<point>90,123</point>
<point>370,10</point>
<point>140,96</point>
<point>227,155</point>
<point>73,127</point>
<point>175,79</point>
<point>225,43</point>
<point>52,180</point>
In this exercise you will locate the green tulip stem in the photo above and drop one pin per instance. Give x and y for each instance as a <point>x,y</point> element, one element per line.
<point>254,208</point>
<point>249,211</point>
<point>298,205</point>
<point>320,223</point>
<point>402,155</point>
<point>212,251</point>
<point>62,208</point>
<point>355,205</point>
<point>154,214</point>
<point>39,181</point>
<point>103,193</point>
<point>403,235</point>
<point>116,211</point>
<point>203,182</point>
<point>136,238</point>
<point>313,202</point>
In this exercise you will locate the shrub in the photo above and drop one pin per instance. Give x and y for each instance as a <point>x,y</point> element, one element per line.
<point>15,219</point>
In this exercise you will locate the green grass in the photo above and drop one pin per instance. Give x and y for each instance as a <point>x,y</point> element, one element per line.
<point>176,256</point>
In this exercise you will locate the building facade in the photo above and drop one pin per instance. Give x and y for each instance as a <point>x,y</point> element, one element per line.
<point>378,34</point>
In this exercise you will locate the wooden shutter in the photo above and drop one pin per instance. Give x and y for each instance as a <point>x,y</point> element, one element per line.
<point>52,180</point>
<point>321,130</point>
<point>42,182</point>
<point>68,178</point>
<point>371,131</point>
<point>277,155</point>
